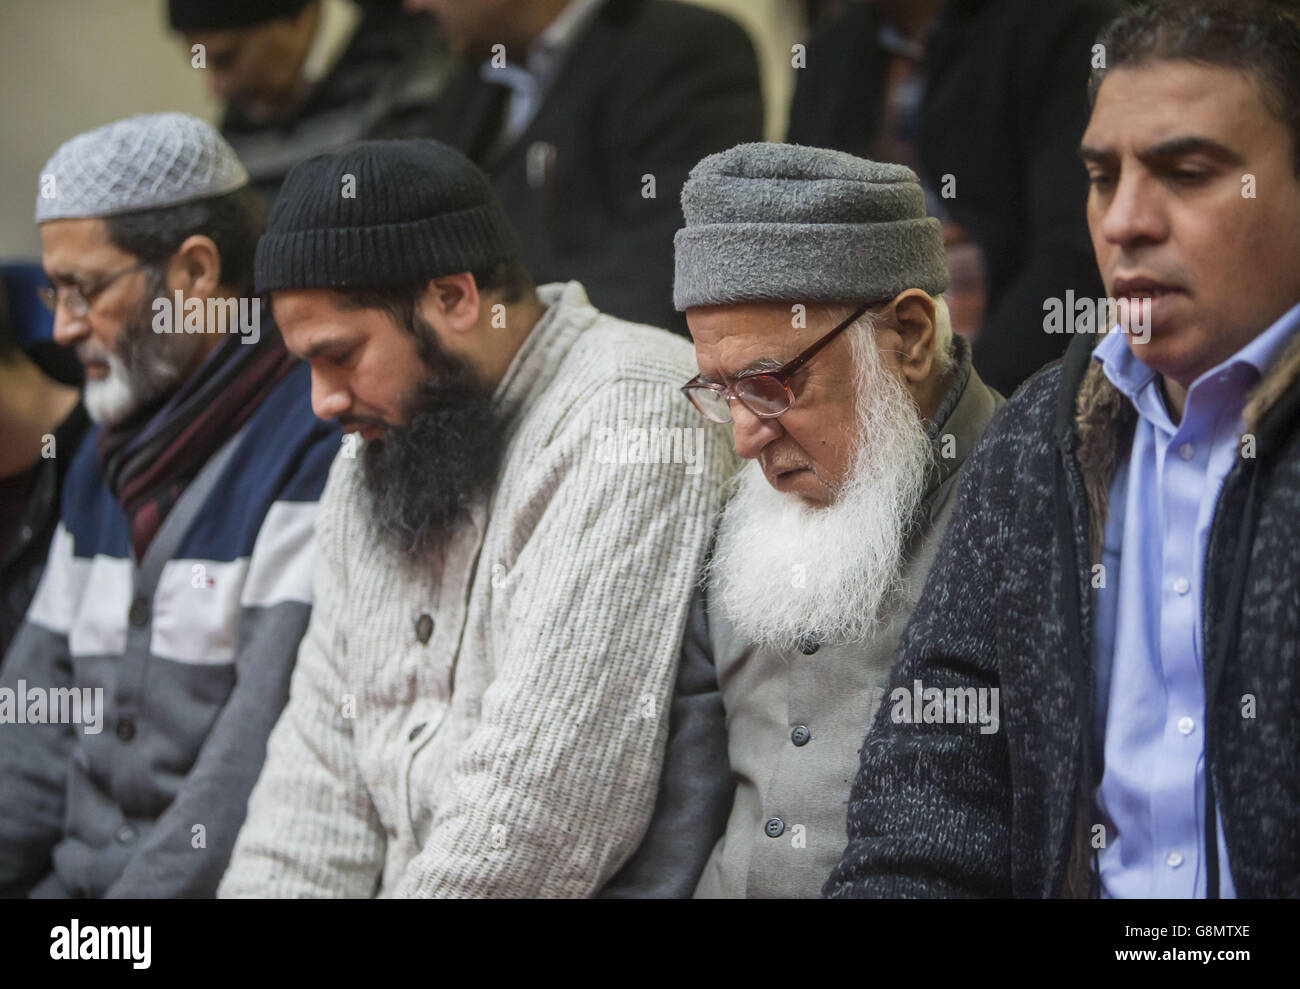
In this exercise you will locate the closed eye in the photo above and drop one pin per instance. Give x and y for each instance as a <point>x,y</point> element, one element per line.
<point>1190,176</point>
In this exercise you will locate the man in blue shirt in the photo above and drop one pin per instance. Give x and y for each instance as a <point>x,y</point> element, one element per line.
<point>1122,562</point>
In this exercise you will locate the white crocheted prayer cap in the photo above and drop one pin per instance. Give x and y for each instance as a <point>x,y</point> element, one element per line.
<point>142,162</point>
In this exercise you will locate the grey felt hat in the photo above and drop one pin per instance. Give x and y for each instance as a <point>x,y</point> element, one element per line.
<point>782,223</point>
<point>142,162</point>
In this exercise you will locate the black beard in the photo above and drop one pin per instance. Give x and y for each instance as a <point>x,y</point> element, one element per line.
<point>423,477</point>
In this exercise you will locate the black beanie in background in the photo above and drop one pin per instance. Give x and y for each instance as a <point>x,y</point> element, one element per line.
<point>220,15</point>
<point>382,213</point>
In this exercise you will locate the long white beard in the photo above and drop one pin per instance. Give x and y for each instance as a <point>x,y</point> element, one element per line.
<point>782,569</point>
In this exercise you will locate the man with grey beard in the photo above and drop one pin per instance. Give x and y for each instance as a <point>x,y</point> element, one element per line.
<point>812,283</point>
<point>177,581</point>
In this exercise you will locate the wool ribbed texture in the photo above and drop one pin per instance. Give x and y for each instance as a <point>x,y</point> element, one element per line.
<point>517,752</point>
<point>381,213</point>
<point>223,15</point>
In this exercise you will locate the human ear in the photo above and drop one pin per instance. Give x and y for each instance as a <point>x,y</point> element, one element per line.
<point>914,321</point>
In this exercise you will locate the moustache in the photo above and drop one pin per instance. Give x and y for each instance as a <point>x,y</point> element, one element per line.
<point>92,351</point>
<point>345,421</point>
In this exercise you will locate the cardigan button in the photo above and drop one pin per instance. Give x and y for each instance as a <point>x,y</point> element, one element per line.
<point>424,628</point>
<point>774,828</point>
<point>808,645</point>
<point>800,735</point>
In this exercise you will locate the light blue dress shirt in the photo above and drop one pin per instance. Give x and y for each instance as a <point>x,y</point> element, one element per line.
<point>528,83</point>
<point>1150,685</point>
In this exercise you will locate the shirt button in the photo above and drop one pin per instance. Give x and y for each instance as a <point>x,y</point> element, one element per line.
<point>800,735</point>
<point>774,828</point>
<point>1182,585</point>
<point>416,731</point>
<point>1186,725</point>
<point>424,628</point>
<point>125,729</point>
<point>139,613</point>
<point>125,834</point>
<point>1187,451</point>
<point>1174,860</point>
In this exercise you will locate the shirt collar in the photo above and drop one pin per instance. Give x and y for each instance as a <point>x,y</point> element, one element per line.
<point>568,312</point>
<point>545,54</point>
<point>1124,370</point>
<point>1130,375</point>
<point>1263,350</point>
<point>562,31</point>
<point>338,23</point>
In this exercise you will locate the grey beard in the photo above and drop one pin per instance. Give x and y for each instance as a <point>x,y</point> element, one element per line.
<point>782,570</point>
<point>145,366</point>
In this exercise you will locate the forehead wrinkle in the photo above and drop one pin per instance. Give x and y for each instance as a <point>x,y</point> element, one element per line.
<point>754,366</point>
<point>74,269</point>
<point>1164,94</point>
<point>734,332</point>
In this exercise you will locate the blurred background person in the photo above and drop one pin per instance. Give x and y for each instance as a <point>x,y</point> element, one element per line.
<point>298,77</point>
<point>588,115</point>
<point>986,101</point>
<point>33,407</point>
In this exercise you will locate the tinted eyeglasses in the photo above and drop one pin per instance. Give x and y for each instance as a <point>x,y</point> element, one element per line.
<point>766,394</point>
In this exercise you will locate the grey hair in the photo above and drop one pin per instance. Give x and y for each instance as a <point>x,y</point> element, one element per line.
<point>866,325</point>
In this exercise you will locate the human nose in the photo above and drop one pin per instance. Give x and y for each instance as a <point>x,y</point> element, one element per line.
<point>329,396</point>
<point>751,433</point>
<point>69,326</point>
<point>1135,214</point>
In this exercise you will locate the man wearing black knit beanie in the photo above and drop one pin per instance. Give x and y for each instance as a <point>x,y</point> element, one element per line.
<point>506,550</point>
<point>298,77</point>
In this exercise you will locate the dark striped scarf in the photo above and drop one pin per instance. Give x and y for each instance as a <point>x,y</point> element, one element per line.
<point>150,458</point>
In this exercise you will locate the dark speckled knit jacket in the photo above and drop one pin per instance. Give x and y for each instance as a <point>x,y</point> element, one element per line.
<point>942,810</point>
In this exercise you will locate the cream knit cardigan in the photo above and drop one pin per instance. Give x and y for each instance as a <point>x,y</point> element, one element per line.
<point>516,752</point>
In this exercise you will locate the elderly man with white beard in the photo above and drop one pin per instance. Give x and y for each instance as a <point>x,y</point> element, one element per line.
<point>812,283</point>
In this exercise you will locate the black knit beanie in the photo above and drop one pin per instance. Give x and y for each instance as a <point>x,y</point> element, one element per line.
<point>382,213</point>
<point>219,15</point>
